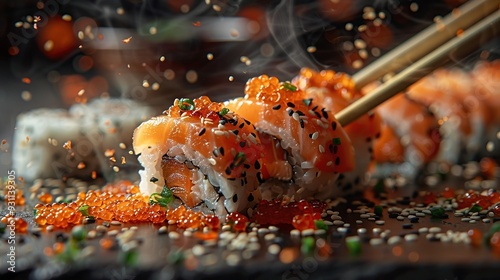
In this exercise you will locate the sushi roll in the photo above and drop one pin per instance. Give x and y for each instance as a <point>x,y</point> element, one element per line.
<point>455,126</point>
<point>108,123</point>
<point>206,155</point>
<point>309,147</point>
<point>409,138</point>
<point>50,143</point>
<point>335,91</point>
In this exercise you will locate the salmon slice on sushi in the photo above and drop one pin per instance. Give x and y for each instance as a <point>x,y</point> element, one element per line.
<point>206,155</point>
<point>335,91</point>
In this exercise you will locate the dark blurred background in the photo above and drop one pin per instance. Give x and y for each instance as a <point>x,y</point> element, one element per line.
<point>55,53</point>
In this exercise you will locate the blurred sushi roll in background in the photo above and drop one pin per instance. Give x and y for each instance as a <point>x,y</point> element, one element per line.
<point>88,141</point>
<point>109,123</point>
<point>51,143</point>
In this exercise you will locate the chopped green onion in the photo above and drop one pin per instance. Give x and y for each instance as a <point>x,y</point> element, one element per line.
<point>336,141</point>
<point>475,208</point>
<point>308,244</point>
<point>378,210</point>
<point>186,104</point>
<point>223,111</point>
<point>84,209</point>
<point>34,212</point>
<point>320,224</point>
<point>239,159</point>
<point>289,86</point>
<point>438,213</point>
<point>307,102</point>
<point>353,245</point>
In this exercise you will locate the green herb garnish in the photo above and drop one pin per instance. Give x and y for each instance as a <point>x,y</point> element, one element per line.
<point>84,209</point>
<point>475,208</point>
<point>438,213</point>
<point>288,86</point>
<point>239,159</point>
<point>308,244</point>
<point>320,224</point>
<point>336,141</point>
<point>186,104</point>
<point>378,210</point>
<point>163,199</point>
<point>307,102</point>
<point>223,111</point>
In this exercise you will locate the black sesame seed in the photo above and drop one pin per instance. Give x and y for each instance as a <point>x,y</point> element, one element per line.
<point>236,132</point>
<point>250,197</point>
<point>277,107</point>
<point>334,125</point>
<point>221,151</point>
<point>246,166</point>
<point>215,152</point>
<point>241,125</point>
<point>325,113</point>
<point>299,113</point>
<point>337,161</point>
<point>259,178</point>
<point>243,144</point>
<point>256,165</point>
<point>223,121</point>
<point>407,226</point>
<point>290,112</point>
<point>310,135</point>
<point>290,104</point>
<point>301,123</point>
<point>314,108</point>
<point>228,171</point>
<point>247,122</point>
<point>202,131</point>
<point>235,198</point>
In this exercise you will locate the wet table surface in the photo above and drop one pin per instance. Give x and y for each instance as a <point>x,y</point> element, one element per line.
<point>420,253</point>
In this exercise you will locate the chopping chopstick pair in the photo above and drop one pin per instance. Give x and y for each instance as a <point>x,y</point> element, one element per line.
<point>460,33</point>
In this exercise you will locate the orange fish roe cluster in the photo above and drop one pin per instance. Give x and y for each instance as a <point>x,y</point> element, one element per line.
<point>336,82</point>
<point>184,218</point>
<point>123,187</point>
<point>270,89</point>
<point>201,107</point>
<point>20,225</point>
<point>130,206</point>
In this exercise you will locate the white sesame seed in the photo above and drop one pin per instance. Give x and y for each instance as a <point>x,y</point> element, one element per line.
<point>274,249</point>
<point>212,161</point>
<point>380,222</point>
<point>295,233</point>
<point>364,216</point>
<point>394,240</point>
<point>307,232</point>
<point>173,235</point>
<point>359,222</point>
<point>376,241</point>
<point>320,232</point>
<point>162,230</point>
<point>198,250</point>
<point>411,237</point>
<point>400,218</point>
<point>269,236</point>
<point>423,230</point>
<point>434,229</point>
<point>472,221</point>
<point>465,219</point>
<point>321,148</point>
<point>273,229</point>
<point>338,222</point>
<point>361,230</point>
<point>335,217</point>
<point>342,230</point>
<point>486,220</point>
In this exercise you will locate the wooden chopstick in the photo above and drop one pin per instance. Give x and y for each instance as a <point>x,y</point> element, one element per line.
<point>425,41</point>
<point>455,48</point>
